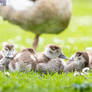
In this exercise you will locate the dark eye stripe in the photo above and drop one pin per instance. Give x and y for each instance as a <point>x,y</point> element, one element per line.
<point>6,49</point>
<point>33,0</point>
<point>50,51</point>
<point>53,48</point>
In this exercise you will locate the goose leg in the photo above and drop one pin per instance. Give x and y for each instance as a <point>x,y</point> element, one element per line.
<point>36,41</point>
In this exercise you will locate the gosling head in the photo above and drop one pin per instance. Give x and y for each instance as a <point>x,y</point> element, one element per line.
<point>8,50</point>
<point>53,52</point>
<point>81,57</point>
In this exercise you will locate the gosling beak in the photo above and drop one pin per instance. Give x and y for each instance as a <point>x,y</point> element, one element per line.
<point>63,56</point>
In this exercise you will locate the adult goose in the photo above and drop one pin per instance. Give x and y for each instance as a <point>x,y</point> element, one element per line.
<point>38,16</point>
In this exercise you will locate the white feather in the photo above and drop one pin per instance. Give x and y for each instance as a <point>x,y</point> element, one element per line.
<point>20,5</point>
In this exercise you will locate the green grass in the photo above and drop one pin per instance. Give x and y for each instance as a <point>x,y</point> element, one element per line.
<point>78,36</point>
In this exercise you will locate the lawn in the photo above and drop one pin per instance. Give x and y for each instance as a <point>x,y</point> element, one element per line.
<point>77,37</point>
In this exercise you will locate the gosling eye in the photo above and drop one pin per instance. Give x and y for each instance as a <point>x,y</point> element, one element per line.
<point>79,58</point>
